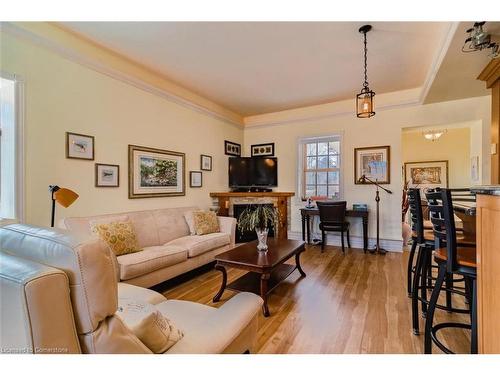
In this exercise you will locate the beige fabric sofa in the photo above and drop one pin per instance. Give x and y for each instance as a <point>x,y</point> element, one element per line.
<point>168,248</point>
<point>59,294</point>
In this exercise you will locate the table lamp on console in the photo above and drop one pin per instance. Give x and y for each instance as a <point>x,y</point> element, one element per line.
<point>65,197</point>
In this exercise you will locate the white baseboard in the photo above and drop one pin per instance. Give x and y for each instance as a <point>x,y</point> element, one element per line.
<point>356,241</point>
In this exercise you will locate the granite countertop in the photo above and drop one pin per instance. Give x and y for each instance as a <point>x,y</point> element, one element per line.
<point>486,189</point>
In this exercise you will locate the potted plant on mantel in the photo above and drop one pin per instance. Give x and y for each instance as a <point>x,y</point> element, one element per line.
<point>259,218</point>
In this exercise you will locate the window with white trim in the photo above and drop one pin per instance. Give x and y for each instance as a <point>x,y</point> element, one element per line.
<point>321,172</point>
<point>10,148</point>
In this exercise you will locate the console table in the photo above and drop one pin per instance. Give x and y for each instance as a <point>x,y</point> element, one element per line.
<point>279,199</point>
<point>306,214</point>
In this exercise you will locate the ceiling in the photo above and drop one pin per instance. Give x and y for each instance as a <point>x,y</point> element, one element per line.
<point>457,74</point>
<point>260,67</point>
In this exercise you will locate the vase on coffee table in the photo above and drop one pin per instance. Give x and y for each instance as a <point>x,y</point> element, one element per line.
<point>262,238</point>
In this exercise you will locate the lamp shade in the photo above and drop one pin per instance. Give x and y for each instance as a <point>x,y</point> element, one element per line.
<point>364,103</point>
<point>65,197</point>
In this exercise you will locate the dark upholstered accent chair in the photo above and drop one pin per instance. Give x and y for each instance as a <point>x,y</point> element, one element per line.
<point>332,219</point>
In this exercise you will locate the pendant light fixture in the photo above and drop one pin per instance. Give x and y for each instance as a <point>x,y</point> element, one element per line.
<point>433,135</point>
<point>364,100</point>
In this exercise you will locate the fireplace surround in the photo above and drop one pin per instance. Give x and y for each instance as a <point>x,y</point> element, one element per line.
<point>226,202</point>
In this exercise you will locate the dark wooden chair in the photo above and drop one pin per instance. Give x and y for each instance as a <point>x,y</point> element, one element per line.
<point>332,219</point>
<point>451,259</point>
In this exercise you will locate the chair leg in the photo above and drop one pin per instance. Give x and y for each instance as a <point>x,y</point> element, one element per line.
<point>323,240</point>
<point>426,260</point>
<point>414,291</point>
<point>348,239</point>
<point>432,307</point>
<point>449,287</point>
<point>342,241</point>
<point>410,266</point>
<point>468,292</point>
<point>473,334</point>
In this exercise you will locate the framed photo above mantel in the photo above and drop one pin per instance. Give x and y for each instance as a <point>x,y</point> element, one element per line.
<point>154,172</point>
<point>263,149</point>
<point>374,163</point>
<point>426,174</point>
<point>232,149</point>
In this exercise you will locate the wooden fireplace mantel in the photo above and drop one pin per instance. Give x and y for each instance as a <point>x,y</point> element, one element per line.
<point>253,194</point>
<point>281,204</point>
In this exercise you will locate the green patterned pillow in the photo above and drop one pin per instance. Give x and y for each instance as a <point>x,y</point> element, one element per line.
<point>119,235</point>
<point>205,222</point>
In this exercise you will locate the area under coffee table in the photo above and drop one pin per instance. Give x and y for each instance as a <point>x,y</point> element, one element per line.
<point>267,269</point>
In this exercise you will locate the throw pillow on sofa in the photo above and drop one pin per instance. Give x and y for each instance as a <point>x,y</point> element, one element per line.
<point>188,216</point>
<point>205,222</point>
<point>119,235</point>
<point>149,325</point>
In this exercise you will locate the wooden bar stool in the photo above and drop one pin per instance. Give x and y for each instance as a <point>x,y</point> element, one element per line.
<point>451,259</point>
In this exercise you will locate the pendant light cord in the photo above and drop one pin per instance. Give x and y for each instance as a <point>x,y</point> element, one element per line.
<point>365,84</point>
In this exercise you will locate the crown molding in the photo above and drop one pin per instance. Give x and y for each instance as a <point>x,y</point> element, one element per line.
<point>387,101</point>
<point>62,49</point>
<point>438,59</point>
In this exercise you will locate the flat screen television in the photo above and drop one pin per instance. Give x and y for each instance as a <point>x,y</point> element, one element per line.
<point>250,172</point>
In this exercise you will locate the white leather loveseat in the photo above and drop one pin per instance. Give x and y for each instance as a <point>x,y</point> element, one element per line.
<point>168,248</point>
<point>59,294</point>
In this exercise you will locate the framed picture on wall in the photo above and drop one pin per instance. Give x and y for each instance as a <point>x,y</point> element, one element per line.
<point>373,163</point>
<point>264,149</point>
<point>205,163</point>
<point>79,146</point>
<point>107,175</point>
<point>232,149</point>
<point>474,168</point>
<point>195,179</point>
<point>154,172</point>
<point>427,174</point>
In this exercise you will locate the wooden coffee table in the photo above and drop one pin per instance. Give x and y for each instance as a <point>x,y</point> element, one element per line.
<point>267,269</point>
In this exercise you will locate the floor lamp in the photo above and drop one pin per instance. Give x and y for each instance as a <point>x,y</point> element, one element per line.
<point>363,179</point>
<point>65,197</point>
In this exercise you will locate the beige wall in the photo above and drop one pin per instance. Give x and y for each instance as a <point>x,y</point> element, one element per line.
<point>64,96</point>
<point>383,129</point>
<point>453,146</point>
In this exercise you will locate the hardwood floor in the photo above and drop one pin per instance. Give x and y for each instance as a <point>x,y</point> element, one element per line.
<point>352,303</point>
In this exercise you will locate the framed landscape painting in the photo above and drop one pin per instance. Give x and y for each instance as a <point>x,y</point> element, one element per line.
<point>373,163</point>
<point>155,173</point>
<point>427,174</point>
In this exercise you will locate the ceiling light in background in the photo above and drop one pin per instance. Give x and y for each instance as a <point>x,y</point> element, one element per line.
<point>433,135</point>
<point>479,39</point>
<point>364,100</point>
